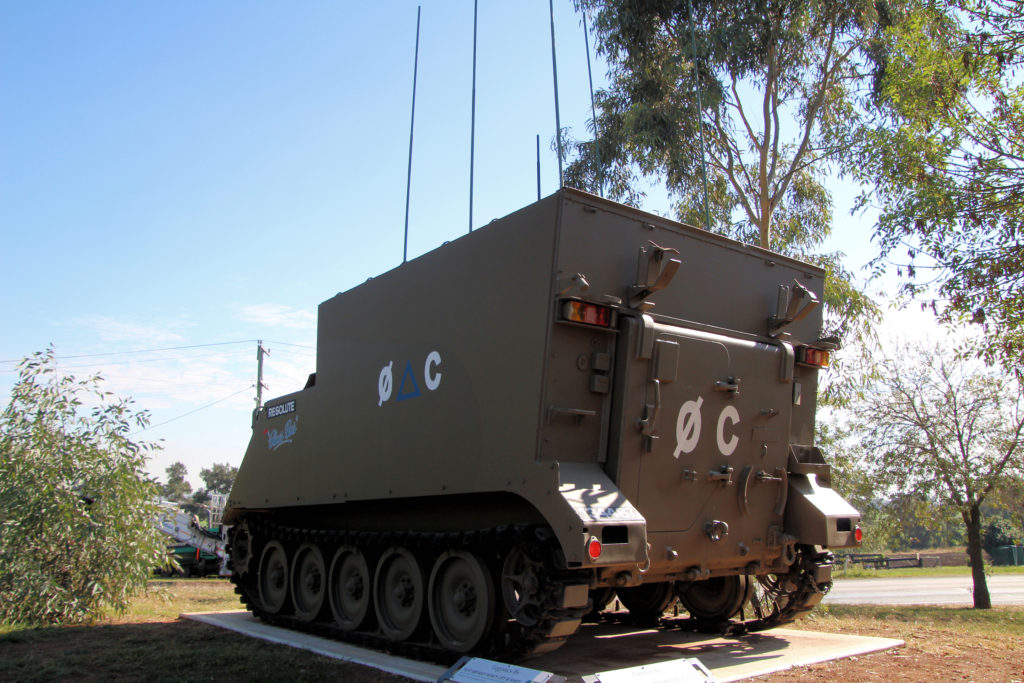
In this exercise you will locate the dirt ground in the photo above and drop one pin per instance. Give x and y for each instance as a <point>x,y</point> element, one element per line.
<point>83,654</point>
<point>929,655</point>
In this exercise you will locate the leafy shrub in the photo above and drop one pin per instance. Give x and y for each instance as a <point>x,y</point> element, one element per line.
<point>76,507</point>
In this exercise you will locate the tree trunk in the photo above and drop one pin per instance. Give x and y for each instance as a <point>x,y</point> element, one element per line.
<point>982,599</point>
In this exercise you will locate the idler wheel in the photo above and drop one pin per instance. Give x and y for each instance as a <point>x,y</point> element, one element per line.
<point>350,588</point>
<point>309,582</point>
<point>716,599</point>
<point>648,601</point>
<point>241,548</point>
<point>460,600</point>
<point>398,593</point>
<point>273,578</point>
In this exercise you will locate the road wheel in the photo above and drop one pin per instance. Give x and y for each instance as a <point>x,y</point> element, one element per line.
<point>398,593</point>
<point>309,582</point>
<point>460,599</point>
<point>350,588</point>
<point>716,599</point>
<point>273,578</point>
<point>648,601</point>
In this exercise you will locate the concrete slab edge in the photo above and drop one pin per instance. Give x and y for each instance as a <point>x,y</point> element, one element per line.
<point>399,666</point>
<point>241,621</point>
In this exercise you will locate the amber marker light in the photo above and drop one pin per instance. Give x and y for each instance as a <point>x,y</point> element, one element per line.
<point>588,314</point>
<point>817,358</point>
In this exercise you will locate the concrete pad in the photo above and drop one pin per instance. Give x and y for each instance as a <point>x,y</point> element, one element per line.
<point>242,621</point>
<point>598,648</point>
<point>608,647</point>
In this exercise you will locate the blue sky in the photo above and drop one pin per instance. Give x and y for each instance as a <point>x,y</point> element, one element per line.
<point>202,175</point>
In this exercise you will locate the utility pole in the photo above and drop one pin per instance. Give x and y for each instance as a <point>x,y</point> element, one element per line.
<point>260,386</point>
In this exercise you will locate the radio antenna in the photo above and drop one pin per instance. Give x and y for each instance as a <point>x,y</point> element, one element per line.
<point>472,123</point>
<point>554,71</point>
<point>538,167</point>
<point>412,124</point>
<point>700,116</point>
<point>593,109</point>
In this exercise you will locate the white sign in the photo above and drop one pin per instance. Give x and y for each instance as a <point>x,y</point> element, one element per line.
<point>478,670</point>
<point>686,670</point>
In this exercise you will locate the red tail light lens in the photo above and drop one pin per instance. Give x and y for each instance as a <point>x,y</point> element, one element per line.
<point>594,548</point>
<point>586,313</point>
<point>858,535</point>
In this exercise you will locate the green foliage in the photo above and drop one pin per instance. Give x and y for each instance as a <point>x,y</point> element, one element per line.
<point>776,83</point>
<point>943,432</point>
<point>220,477</point>
<point>177,488</point>
<point>852,479</point>
<point>773,80</point>
<point>995,535</point>
<point>76,507</point>
<point>944,149</point>
<point>941,428</point>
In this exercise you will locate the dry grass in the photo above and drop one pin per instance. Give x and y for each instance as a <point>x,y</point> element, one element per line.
<point>150,643</point>
<point>942,644</point>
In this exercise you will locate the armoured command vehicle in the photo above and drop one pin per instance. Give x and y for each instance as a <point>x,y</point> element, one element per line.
<point>577,401</point>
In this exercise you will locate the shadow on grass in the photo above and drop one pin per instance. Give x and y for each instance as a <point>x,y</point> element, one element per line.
<point>180,651</point>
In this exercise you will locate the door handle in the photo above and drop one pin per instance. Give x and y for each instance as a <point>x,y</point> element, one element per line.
<point>646,423</point>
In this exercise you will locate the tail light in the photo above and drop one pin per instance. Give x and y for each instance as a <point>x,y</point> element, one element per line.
<point>587,313</point>
<point>812,357</point>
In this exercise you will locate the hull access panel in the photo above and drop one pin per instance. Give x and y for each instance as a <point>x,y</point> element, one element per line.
<point>717,442</point>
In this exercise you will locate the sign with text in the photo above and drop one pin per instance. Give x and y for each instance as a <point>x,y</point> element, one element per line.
<point>686,670</point>
<point>476,670</point>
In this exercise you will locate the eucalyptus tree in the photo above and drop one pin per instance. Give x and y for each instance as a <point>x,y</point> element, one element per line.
<point>943,149</point>
<point>737,107</point>
<point>77,509</point>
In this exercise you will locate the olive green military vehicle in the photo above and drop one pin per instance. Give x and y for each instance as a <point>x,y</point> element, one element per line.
<point>576,402</point>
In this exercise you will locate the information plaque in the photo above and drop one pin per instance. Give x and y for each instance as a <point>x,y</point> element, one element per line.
<point>685,670</point>
<point>476,670</point>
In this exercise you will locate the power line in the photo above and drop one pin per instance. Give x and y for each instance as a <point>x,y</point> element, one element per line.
<point>101,366</point>
<point>192,412</point>
<point>300,346</point>
<point>168,348</point>
<point>137,351</point>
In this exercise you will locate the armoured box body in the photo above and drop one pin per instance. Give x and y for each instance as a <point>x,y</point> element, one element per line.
<point>520,374</point>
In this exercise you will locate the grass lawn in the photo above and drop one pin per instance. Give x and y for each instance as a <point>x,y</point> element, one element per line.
<point>858,572</point>
<point>151,643</point>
